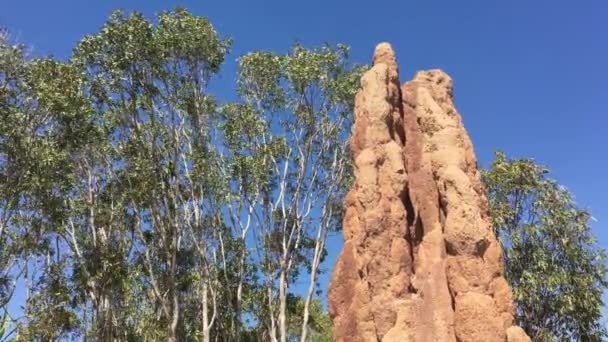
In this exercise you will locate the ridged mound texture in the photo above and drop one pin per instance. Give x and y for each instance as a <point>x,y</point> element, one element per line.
<point>420,260</point>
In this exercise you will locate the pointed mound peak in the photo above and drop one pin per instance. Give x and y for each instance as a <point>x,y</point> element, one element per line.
<point>437,80</point>
<point>384,54</point>
<point>434,75</point>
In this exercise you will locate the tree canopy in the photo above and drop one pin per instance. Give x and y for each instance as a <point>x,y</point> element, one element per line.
<point>136,206</point>
<point>556,270</point>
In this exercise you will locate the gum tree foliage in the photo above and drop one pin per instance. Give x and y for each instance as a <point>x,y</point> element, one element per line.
<point>287,149</point>
<point>12,69</point>
<point>134,207</point>
<point>556,270</point>
<point>148,196</point>
<point>34,170</point>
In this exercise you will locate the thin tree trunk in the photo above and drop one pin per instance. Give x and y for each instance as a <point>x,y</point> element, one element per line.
<point>237,310</point>
<point>273,327</point>
<point>319,245</point>
<point>282,306</point>
<point>172,334</point>
<point>205,313</point>
<point>311,288</point>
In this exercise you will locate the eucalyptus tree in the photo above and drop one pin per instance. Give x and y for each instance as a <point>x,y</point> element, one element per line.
<point>92,225</point>
<point>553,263</point>
<point>138,209</point>
<point>148,85</point>
<point>50,142</point>
<point>35,172</point>
<point>12,108</point>
<point>287,147</point>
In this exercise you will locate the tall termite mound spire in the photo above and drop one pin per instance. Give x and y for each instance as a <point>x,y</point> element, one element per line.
<point>420,260</point>
<point>375,266</point>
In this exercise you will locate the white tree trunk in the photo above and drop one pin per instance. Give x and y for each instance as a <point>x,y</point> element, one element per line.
<point>206,326</point>
<point>283,306</point>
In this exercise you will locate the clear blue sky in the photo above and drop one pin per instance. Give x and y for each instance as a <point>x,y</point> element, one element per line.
<point>531,77</point>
